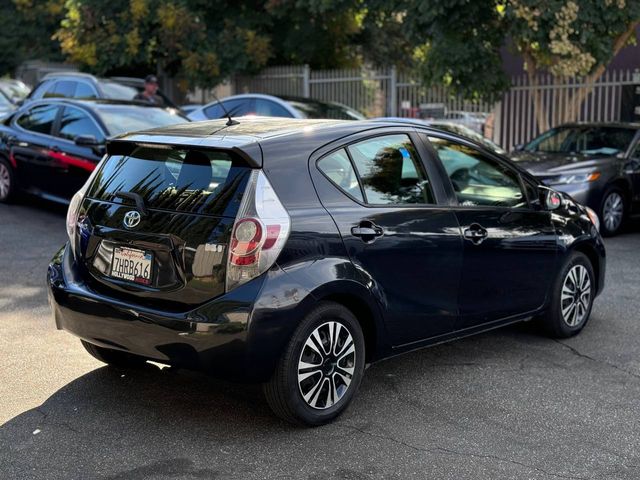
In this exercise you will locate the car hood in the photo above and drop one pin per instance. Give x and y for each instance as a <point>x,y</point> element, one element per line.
<point>550,163</point>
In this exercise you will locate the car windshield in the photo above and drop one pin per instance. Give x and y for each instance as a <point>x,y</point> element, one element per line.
<point>117,91</point>
<point>583,139</point>
<point>121,119</point>
<point>315,109</point>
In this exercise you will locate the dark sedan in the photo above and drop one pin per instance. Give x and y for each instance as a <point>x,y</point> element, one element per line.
<point>49,147</point>
<point>597,164</point>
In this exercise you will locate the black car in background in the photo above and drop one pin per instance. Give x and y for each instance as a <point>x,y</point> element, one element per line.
<point>295,252</point>
<point>598,164</point>
<point>49,147</point>
<point>88,87</point>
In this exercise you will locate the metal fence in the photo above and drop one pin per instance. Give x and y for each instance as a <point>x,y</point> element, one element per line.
<point>385,92</point>
<point>515,116</point>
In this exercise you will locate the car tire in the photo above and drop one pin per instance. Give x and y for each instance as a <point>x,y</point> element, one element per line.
<point>114,358</point>
<point>613,211</point>
<point>571,299</point>
<point>317,394</point>
<point>7,181</point>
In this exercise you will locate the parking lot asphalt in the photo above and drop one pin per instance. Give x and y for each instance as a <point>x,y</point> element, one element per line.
<point>506,404</point>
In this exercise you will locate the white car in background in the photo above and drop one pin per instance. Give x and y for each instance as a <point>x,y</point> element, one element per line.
<point>271,106</point>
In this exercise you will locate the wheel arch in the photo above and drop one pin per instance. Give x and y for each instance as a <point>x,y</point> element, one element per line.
<point>594,257</point>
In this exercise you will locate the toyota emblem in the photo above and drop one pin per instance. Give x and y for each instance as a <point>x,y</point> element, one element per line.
<point>131,219</point>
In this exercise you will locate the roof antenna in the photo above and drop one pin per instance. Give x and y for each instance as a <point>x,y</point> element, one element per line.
<point>230,121</point>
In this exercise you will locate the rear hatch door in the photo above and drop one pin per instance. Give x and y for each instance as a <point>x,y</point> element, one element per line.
<point>155,224</point>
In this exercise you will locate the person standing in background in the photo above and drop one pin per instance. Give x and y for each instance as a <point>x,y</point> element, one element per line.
<point>149,93</point>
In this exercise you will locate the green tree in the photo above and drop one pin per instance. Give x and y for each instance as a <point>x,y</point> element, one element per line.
<point>199,42</point>
<point>27,30</point>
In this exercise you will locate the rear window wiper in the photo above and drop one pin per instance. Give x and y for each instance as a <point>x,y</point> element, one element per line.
<point>139,201</point>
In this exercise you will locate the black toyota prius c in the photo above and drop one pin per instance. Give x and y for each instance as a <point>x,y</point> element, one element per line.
<point>294,253</point>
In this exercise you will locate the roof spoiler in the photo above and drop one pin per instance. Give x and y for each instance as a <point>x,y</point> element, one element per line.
<point>250,152</point>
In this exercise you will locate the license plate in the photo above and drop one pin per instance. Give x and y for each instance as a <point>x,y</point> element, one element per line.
<point>132,264</point>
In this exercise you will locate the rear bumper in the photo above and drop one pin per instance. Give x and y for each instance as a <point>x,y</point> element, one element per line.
<point>214,338</point>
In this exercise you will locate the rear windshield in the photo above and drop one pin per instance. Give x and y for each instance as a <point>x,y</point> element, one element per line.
<point>194,181</point>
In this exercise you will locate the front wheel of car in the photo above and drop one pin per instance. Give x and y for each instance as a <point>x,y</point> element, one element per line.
<point>7,181</point>
<point>114,358</point>
<point>572,297</point>
<point>612,212</point>
<point>321,369</point>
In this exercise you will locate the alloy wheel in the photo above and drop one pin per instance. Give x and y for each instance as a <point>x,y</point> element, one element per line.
<point>613,211</point>
<point>5,181</point>
<point>326,365</point>
<point>576,296</point>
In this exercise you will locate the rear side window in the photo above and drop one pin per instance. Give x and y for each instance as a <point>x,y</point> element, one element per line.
<point>337,168</point>
<point>195,181</point>
<point>391,172</point>
<point>39,119</point>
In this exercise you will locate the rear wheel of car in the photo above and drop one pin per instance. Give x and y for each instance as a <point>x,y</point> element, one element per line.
<point>612,211</point>
<point>115,358</point>
<point>321,369</point>
<point>572,297</point>
<point>7,181</point>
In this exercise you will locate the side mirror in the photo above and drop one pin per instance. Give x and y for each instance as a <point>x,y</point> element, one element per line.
<point>551,199</point>
<point>519,147</point>
<point>86,141</point>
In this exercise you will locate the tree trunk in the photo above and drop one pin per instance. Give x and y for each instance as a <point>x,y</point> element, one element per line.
<point>539,109</point>
<point>574,103</point>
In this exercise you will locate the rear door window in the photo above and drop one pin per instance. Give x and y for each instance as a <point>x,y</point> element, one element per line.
<point>194,181</point>
<point>391,172</point>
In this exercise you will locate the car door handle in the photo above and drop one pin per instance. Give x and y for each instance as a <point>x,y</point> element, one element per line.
<point>367,231</point>
<point>476,233</point>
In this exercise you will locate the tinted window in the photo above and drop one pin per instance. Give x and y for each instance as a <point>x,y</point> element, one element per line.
<point>39,119</point>
<point>390,170</point>
<point>339,170</point>
<point>476,179</point>
<point>185,180</point>
<point>583,139</point>
<point>75,122</point>
<point>268,108</point>
<point>84,90</point>
<point>236,108</point>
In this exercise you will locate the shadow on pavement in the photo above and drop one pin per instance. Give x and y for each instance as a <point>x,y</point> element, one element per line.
<point>157,418</point>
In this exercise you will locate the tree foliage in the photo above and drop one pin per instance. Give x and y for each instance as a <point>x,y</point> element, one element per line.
<point>27,30</point>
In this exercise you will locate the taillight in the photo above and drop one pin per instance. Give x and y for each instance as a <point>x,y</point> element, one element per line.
<point>259,232</point>
<point>73,212</point>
